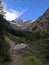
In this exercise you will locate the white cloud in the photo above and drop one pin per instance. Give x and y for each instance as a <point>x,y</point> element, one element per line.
<point>13,14</point>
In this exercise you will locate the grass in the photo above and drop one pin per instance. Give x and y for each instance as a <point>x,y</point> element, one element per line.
<point>30,59</point>
<point>35,56</point>
<point>16,39</point>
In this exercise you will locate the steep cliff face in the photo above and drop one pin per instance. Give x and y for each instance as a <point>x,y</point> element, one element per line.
<point>21,24</point>
<point>41,24</point>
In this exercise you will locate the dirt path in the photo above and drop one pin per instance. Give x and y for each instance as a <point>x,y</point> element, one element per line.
<point>16,58</point>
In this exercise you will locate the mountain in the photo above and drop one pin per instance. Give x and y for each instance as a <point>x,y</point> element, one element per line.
<point>41,24</point>
<point>20,24</point>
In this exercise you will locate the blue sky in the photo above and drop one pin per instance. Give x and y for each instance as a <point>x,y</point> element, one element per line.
<point>29,9</point>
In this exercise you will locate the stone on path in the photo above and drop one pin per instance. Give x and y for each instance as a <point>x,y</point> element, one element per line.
<point>20,48</point>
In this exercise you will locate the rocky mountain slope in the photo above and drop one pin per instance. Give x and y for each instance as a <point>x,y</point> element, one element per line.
<point>20,24</point>
<point>29,25</point>
<point>41,24</point>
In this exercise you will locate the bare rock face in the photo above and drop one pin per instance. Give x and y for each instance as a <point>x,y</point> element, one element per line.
<point>21,24</point>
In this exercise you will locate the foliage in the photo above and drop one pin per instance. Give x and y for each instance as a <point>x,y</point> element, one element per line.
<point>31,59</point>
<point>39,46</point>
<point>3,43</point>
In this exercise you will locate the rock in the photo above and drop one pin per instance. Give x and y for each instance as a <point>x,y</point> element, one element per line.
<point>20,48</point>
